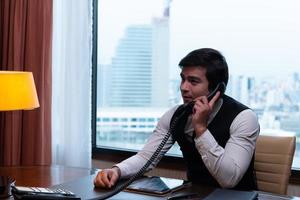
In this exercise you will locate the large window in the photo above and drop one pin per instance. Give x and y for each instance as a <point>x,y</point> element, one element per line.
<point>140,43</point>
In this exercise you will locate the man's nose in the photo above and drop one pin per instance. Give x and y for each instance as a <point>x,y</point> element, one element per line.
<point>184,86</point>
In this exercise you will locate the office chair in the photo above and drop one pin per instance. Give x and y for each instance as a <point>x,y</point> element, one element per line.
<point>272,163</point>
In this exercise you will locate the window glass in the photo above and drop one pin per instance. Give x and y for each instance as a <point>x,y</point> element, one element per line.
<point>140,43</point>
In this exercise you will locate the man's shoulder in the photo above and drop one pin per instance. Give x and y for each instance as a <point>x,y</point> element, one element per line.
<point>165,119</point>
<point>169,113</point>
<point>247,122</point>
<point>174,108</point>
<point>231,102</point>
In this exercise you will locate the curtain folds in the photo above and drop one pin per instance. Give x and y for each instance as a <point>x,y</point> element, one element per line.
<point>71,69</point>
<point>26,45</point>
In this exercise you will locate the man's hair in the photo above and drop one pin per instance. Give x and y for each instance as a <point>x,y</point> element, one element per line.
<point>210,59</point>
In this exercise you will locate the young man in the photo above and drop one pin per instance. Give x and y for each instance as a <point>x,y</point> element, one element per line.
<point>217,138</point>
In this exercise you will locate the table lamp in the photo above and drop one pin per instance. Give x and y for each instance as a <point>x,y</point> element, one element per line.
<point>17,92</point>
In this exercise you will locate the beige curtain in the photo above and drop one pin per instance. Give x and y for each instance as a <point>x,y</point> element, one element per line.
<point>25,45</point>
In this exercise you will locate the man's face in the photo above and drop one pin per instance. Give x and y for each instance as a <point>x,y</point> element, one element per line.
<point>193,83</point>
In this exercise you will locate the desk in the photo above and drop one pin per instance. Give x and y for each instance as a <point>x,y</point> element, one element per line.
<point>44,176</point>
<point>80,181</point>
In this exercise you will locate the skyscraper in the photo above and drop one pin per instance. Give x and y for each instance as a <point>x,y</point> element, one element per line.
<point>140,67</point>
<point>131,69</point>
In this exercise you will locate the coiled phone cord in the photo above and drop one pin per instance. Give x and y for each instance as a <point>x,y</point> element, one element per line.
<point>147,164</point>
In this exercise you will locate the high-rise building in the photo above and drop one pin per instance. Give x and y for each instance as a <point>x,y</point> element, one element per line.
<point>160,63</point>
<point>131,69</point>
<point>140,67</point>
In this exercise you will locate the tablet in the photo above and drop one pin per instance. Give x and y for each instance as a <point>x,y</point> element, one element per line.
<point>156,185</point>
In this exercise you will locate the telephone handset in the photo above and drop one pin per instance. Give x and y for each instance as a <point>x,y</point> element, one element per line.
<point>220,87</point>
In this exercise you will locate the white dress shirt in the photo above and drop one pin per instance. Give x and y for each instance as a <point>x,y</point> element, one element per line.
<point>227,165</point>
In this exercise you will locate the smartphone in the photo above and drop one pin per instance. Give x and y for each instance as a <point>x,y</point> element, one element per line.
<point>20,193</point>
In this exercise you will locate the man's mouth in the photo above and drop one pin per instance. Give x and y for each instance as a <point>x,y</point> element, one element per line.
<point>187,98</point>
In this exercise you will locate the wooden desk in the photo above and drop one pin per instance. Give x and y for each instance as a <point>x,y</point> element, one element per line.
<point>80,181</point>
<point>44,176</point>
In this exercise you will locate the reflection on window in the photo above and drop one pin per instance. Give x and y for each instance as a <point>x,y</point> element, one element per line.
<point>141,42</point>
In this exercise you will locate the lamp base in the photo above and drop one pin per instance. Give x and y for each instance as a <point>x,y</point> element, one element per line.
<point>5,186</point>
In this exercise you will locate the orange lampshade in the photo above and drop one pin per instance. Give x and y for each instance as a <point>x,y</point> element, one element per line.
<point>17,91</point>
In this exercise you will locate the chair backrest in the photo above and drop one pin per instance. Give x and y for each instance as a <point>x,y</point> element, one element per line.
<point>272,164</point>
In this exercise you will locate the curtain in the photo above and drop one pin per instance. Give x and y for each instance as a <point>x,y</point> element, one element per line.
<point>25,45</point>
<point>71,68</point>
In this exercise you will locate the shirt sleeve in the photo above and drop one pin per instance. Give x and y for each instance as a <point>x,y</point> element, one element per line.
<point>133,164</point>
<point>228,165</point>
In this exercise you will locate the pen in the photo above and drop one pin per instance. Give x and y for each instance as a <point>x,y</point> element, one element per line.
<point>183,196</point>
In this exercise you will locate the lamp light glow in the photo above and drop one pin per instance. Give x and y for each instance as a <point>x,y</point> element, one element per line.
<point>17,91</point>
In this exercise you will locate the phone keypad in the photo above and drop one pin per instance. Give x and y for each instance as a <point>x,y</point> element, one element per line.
<point>63,191</point>
<point>49,190</point>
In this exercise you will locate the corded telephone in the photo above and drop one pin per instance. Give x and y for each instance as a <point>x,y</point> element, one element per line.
<point>189,107</point>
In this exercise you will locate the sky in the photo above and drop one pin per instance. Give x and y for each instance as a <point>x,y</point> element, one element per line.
<point>115,15</point>
<point>256,37</point>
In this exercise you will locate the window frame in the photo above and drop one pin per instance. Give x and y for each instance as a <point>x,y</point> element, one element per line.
<point>98,152</point>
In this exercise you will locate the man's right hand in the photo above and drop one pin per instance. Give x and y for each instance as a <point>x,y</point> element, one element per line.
<point>107,178</point>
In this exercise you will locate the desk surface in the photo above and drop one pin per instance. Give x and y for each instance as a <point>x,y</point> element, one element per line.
<point>80,181</point>
<point>44,176</point>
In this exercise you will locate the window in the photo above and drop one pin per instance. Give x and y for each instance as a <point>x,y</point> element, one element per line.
<point>140,43</point>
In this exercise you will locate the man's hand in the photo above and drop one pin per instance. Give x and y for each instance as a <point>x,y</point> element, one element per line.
<point>107,178</point>
<point>201,112</point>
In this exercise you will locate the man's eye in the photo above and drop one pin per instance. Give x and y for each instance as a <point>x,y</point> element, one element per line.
<point>194,82</point>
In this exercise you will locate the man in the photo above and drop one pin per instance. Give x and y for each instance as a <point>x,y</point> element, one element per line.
<point>217,138</point>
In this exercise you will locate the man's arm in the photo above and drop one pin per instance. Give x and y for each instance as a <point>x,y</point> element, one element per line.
<point>107,178</point>
<point>133,164</point>
<point>228,165</point>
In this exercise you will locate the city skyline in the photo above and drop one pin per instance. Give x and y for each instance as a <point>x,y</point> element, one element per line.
<point>143,50</point>
<point>261,51</point>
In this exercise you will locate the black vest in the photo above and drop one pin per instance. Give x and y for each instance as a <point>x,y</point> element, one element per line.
<point>219,127</point>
